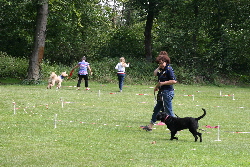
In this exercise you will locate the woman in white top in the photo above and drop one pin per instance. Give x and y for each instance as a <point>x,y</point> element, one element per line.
<point>120,67</point>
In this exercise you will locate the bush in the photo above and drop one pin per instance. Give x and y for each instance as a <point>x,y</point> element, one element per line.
<point>11,67</point>
<point>139,72</point>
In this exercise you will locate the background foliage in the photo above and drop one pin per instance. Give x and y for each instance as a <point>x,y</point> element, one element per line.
<point>139,72</point>
<point>208,41</point>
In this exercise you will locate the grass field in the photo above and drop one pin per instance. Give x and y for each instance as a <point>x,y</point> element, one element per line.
<point>100,127</point>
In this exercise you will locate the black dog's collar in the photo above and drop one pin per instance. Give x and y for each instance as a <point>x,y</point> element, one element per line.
<point>62,77</point>
<point>166,118</point>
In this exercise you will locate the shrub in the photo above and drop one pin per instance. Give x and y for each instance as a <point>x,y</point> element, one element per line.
<point>139,72</point>
<point>11,67</point>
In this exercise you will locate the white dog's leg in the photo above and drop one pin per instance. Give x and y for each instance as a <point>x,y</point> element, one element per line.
<point>59,85</point>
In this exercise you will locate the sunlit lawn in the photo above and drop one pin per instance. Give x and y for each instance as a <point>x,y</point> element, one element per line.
<point>100,127</point>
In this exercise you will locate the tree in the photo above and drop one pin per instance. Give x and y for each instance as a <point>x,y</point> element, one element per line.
<point>17,22</point>
<point>39,41</point>
<point>152,8</point>
<point>75,29</point>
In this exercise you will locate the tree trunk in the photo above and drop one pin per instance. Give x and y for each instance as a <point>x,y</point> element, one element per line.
<point>196,28</point>
<point>148,35</point>
<point>39,41</point>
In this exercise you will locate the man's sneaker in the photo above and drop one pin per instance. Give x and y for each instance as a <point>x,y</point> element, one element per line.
<point>87,88</point>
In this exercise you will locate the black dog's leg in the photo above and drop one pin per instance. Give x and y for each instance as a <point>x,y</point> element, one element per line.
<point>200,135</point>
<point>195,138</point>
<point>195,134</point>
<point>173,134</point>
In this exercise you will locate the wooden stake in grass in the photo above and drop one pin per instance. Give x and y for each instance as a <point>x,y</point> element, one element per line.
<point>55,120</point>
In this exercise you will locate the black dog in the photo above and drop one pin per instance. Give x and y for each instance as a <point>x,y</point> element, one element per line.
<point>176,124</point>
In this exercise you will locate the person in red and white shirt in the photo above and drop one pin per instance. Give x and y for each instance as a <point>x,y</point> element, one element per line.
<point>120,67</point>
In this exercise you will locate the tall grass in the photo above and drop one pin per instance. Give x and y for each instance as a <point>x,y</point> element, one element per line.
<point>100,127</point>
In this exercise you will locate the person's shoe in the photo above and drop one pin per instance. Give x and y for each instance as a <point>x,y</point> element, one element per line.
<point>87,88</point>
<point>120,90</point>
<point>146,128</point>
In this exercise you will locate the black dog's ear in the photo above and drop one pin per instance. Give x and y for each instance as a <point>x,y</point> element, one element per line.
<point>159,116</point>
<point>164,114</point>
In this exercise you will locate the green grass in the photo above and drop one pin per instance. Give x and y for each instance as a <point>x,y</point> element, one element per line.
<point>95,129</point>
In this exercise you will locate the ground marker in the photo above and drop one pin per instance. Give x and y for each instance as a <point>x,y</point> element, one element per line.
<point>61,101</point>
<point>233,97</point>
<point>229,95</point>
<point>14,107</point>
<point>218,135</point>
<point>55,120</point>
<point>99,93</point>
<point>190,95</point>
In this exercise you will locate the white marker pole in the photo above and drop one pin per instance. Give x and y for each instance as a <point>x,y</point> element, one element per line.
<point>233,97</point>
<point>62,102</point>
<point>55,120</point>
<point>220,92</point>
<point>218,136</point>
<point>14,107</point>
<point>193,97</point>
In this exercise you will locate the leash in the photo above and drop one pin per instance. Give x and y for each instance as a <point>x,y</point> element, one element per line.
<point>155,97</point>
<point>71,73</point>
<point>163,105</point>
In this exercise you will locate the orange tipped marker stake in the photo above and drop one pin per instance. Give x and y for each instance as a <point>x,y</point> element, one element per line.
<point>14,107</point>
<point>61,101</point>
<point>233,97</point>
<point>55,121</point>
<point>218,134</point>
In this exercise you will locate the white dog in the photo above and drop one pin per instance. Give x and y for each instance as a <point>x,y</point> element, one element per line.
<point>54,79</point>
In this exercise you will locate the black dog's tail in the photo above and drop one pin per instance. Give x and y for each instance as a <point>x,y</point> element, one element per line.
<point>202,115</point>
